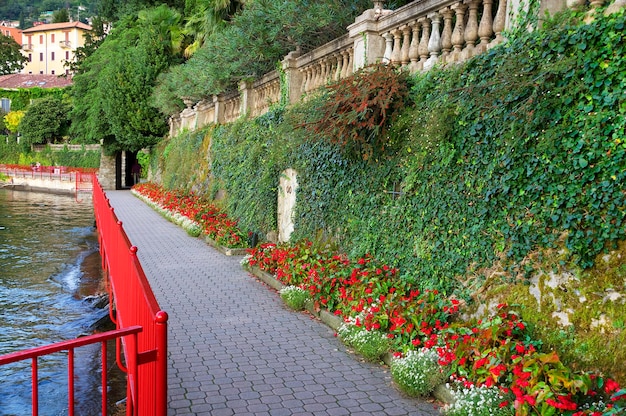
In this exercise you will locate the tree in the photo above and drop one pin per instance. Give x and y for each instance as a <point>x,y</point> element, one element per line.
<point>11,58</point>
<point>207,17</point>
<point>61,16</point>
<point>12,120</point>
<point>115,10</point>
<point>111,94</point>
<point>45,121</point>
<point>254,39</point>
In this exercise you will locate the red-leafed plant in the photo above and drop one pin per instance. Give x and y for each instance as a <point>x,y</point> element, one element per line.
<point>360,108</point>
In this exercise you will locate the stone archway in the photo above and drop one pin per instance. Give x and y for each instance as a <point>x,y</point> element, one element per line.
<point>287,186</point>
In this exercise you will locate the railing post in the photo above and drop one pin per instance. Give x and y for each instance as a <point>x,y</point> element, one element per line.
<point>369,45</point>
<point>161,364</point>
<point>293,78</point>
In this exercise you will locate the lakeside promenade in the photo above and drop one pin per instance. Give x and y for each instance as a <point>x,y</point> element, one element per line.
<point>234,348</point>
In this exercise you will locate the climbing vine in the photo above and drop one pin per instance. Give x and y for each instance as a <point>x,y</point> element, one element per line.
<point>520,148</point>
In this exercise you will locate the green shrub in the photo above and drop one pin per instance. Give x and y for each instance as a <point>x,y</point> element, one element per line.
<point>294,297</point>
<point>372,345</point>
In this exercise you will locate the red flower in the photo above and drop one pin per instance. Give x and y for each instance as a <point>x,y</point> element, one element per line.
<point>610,386</point>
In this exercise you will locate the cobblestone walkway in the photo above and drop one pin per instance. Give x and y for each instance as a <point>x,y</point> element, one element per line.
<point>234,348</point>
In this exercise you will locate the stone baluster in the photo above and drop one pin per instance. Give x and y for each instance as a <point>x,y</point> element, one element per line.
<point>305,80</point>
<point>446,34</point>
<point>414,54</point>
<point>317,78</point>
<point>406,43</point>
<point>345,56</point>
<point>388,47</point>
<point>576,4</point>
<point>485,28</point>
<point>471,30</point>
<point>434,43</point>
<point>330,67</point>
<point>312,75</point>
<point>325,71</point>
<point>615,7</point>
<point>322,74</point>
<point>458,35</point>
<point>396,54</point>
<point>350,69</point>
<point>339,62</point>
<point>500,21</point>
<point>423,46</point>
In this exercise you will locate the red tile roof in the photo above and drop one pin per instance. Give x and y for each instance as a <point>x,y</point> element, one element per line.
<point>57,26</point>
<point>14,81</point>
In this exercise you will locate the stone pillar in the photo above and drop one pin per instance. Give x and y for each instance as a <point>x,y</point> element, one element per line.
<point>293,77</point>
<point>246,93</point>
<point>369,46</point>
<point>288,184</point>
<point>218,101</point>
<point>106,173</point>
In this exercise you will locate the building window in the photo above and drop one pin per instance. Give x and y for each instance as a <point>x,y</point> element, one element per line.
<point>52,38</point>
<point>30,57</point>
<point>41,56</point>
<point>40,72</point>
<point>67,72</point>
<point>41,39</point>
<point>67,36</point>
<point>52,56</point>
<point>52,72</point>
<point>6,105</point>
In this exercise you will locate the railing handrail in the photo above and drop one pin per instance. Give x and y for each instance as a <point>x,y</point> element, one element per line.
<point>34,354</point>
<point>37,352</point>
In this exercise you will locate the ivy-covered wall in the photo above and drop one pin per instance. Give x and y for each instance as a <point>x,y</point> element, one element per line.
<point>492,168</point>
<point>21,97</point>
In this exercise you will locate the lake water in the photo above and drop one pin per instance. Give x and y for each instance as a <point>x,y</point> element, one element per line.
<point>48,262</point>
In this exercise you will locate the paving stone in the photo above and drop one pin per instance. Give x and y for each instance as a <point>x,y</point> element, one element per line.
<point>234,348</point>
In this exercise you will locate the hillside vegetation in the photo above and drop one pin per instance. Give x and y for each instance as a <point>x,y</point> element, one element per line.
<point>508,175</point>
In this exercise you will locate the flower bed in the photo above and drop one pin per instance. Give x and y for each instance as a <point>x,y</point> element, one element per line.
<point>196,215</point>
<point>493,362</point>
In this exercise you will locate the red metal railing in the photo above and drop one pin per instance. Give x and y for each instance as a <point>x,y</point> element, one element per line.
<point>69,346</point>
<point>135,305</point>
<point>141,324</point>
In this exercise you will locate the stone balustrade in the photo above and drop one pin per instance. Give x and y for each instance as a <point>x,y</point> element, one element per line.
<point>264,93</point>
<point>328,63</point>
<point>415,37</point>
<point>422,34</point>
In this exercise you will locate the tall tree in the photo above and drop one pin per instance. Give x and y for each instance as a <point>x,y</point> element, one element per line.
<point>61,16</point>
<point>45,121</point>
<point>11,58</point>
<point>111,94</point>
<point>207,17</point>
<point>254,39</point>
